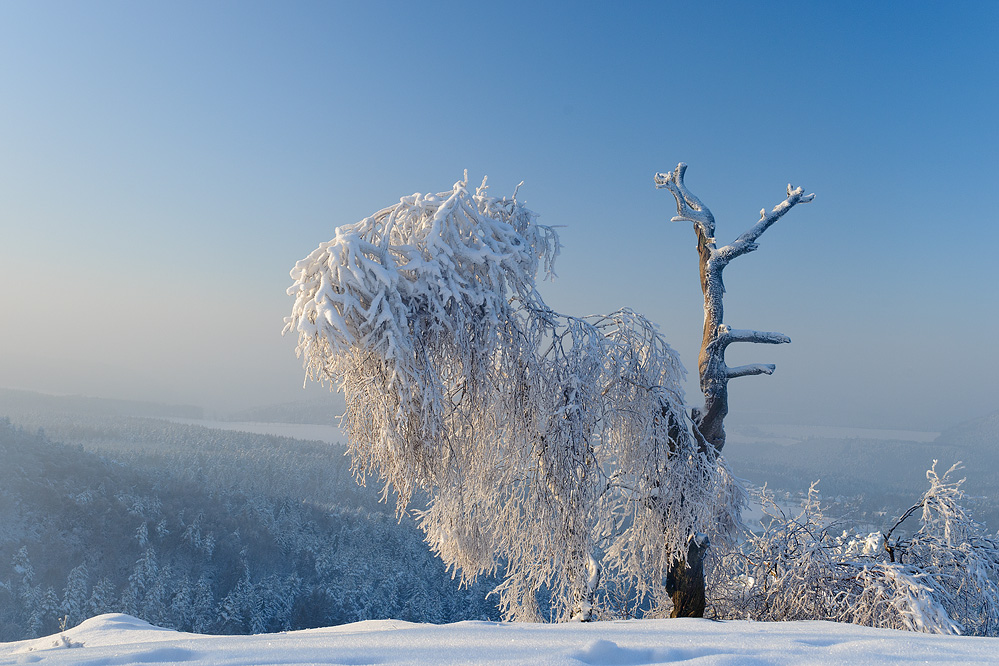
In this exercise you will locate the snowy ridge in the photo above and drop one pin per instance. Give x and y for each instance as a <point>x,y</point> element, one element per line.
<point>795,434</point>
<point>121,639</point>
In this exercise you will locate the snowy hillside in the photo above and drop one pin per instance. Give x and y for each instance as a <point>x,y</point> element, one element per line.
<point>121,639</point>
<point>175,523</point>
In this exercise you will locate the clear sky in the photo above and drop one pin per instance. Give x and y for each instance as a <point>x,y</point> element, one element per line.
<point>163,166</point>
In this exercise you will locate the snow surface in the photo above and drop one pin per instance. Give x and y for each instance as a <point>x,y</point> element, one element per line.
<point>114,639</point>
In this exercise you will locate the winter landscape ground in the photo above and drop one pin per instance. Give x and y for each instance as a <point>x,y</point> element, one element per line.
<point>120,639</point>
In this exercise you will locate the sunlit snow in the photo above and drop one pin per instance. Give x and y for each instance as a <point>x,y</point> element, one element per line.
<point>121,639</point>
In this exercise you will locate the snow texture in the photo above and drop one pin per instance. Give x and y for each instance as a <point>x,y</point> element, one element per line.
<point>110,640</point>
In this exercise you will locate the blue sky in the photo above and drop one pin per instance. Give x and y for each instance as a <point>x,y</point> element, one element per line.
<point>163,166</point>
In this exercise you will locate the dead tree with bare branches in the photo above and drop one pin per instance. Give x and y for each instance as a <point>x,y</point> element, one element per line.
<point>714,372</point>
<point>686,579</point>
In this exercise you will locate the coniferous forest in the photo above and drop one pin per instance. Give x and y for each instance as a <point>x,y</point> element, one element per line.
<point>112,506</point>
<point>203,530</point>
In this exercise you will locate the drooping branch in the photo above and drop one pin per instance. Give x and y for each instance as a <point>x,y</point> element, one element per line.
<point>714,373</point>
<point>553,447</point>
<point>886,536</point>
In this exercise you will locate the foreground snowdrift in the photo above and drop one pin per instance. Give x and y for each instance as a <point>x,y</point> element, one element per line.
<point>121,639</point>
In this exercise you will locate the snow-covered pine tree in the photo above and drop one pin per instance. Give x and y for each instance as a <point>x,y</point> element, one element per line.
<point>75,596</point>
<point>27,592</point>
<point>554,449</point>
<point>103,598</point>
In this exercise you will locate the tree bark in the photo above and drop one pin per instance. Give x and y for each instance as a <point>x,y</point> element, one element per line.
<point>685,581</point>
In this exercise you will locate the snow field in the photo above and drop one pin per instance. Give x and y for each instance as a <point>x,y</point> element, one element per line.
<point>114,639</point>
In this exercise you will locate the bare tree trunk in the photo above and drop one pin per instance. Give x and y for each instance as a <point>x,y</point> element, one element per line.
<point>709,420</point>
<point>584,607</point>
<point>685,581</point>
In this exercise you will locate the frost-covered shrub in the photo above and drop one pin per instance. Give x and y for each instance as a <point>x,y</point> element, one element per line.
<point>941,579</point>
<point>953,550</point>
<point>554,449</point>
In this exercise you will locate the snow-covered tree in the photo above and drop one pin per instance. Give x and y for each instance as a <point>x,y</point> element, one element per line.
<point>75,596</point>
<point>954,551</point>
<point>552,448</point>
<point>27,593</point>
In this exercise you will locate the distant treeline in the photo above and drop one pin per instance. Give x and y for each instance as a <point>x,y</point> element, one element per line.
<point>878,479</point>
<point>13,401</point>
<point>203,530</point>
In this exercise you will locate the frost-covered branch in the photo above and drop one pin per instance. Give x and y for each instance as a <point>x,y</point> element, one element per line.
<point>688,207</point>
<point>751,369</point>
<point>747,241</point>
<point>714,373</point>
<point>730,335</point>
<point>886,535</point>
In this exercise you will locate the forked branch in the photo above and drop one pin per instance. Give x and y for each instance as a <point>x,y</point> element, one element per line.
<point>717,336</point>
<point>688,207</point>
<point>746,242</point>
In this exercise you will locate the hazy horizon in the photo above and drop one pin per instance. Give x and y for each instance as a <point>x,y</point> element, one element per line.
<point>164,166</point>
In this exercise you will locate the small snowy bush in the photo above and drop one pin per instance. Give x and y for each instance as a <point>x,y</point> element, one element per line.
<point>941,579</point>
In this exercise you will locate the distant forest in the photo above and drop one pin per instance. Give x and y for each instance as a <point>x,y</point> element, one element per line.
<point>203,530</point>
<point>105,506</point>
